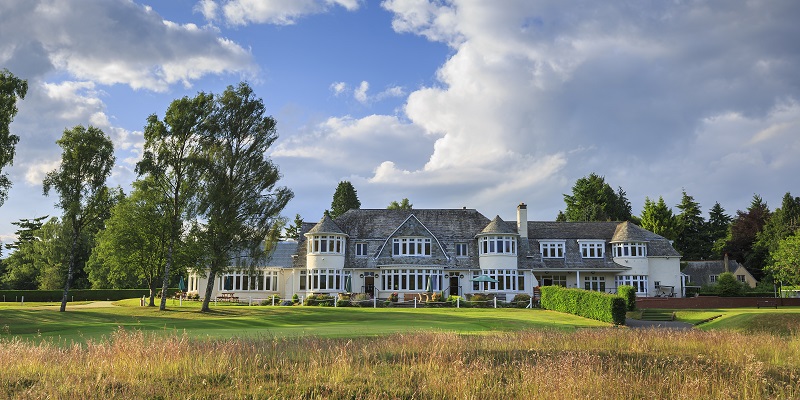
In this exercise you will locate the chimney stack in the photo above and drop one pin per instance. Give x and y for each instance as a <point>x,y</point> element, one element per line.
<point>726,263</point>
<point>522,220</point>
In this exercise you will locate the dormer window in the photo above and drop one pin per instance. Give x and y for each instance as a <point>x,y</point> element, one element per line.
<point>326,244</point>
<point>498,245</point>
<point>411,247</point>
<point>552,248</point>
<point>630,249</point>
<point>592,248</point>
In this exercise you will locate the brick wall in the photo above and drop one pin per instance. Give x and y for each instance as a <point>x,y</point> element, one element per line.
<point>711,302</point>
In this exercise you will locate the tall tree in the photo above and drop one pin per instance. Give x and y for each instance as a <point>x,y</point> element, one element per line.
<point>50,254</point>
<point>402,205</point>
<point>11,89</point>
<point>130,251</point>
<point>717,229</point>
<point>743,233</point>
<point>240,202</point>
<point>785,266</point>
<point>344,198</point>
<point>784,222</point>
<point>691,240</point>
<point>593,199</point>
<point>87,158</point>
<point>172,150</point>
<point>293,231</point>
<point>21,266</point>
<point>657,218</point>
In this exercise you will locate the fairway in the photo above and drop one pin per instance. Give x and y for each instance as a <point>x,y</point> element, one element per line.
<point>83,323</point>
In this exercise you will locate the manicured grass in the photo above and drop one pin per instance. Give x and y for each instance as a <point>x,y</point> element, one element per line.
<point>83,324</point>
<point>780,321</point>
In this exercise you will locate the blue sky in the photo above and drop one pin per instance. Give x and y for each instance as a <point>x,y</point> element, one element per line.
<point>450,103</point>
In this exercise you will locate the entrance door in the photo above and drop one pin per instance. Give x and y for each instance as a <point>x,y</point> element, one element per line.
<point>454,286</point>
<point>369,285</point>
<point>547,281</point>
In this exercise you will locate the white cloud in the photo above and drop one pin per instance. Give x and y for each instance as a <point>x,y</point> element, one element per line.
<point>278,12</point>
<point>125,43</point>
<point>338,88</point>
<point>360,93</point>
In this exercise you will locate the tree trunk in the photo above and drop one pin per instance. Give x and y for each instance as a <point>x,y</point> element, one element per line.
<point>209,288</point>
<point>70,272</point>
<point>165,284</point>
<point>152,293</point>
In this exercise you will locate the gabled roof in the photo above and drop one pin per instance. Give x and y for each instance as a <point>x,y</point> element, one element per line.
<point>628,232</point>
<point>428,231</point>
<point>326,225</point>
<point>498,226</point>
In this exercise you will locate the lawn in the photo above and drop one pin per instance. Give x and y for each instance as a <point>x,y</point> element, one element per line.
<point>43,322</point>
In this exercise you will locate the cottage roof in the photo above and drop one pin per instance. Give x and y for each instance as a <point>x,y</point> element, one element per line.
<point>699,271</point>
<point>498,226</point>
<point>326,225</point>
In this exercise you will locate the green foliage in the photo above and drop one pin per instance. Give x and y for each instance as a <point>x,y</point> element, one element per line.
<point>293,231</point>
<point>593,199</point>
<point>295,298</point>
<point>717,229</point>
<point>404,204</point>
<point>656,217</point>
<point>521,300</point>
<point>344,198</point>
<point>728,286</point>
<point>324,300</point>
<point>78,294</point>
<point>743,234</point>
<point>585,303</point>
<point>785,266</point>
<point>691,240</point>
<point>628,293</point>
<point>783,223</point>
<point>11,89</point>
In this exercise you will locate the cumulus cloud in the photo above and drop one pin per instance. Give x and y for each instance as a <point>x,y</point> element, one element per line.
<point>113,42</point>
<point>360,93</point>
<point>338,88</point>
<point>278,12</point>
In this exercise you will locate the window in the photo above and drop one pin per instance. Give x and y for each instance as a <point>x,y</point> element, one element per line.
<point>415,247</point>
<point>552,249</point>
<point>595,249</point>
<point>630,249</point>
<point>498,245</point>
<point>713,278</point>
<point>303,285</point>
<point>323,280</point>
<point>361,249</point>
<point>637,281</point>
<point>326,244</point>
<point>244,281</point>
<point>555,280</point>
<point>507,280</point>
<point>596,283</point>
<point>461,250</point>
<point>419,280</point>
<point>740,278</point>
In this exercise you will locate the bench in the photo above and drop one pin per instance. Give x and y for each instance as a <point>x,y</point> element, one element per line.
<point>767,303</point>
<point>227,296</point>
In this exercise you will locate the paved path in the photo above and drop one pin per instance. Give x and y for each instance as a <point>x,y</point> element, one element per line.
<point>94,304</point>
<point>640,324</point>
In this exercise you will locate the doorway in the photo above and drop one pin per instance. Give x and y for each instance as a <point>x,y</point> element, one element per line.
<point>454,288</point>
<point>369,285</point>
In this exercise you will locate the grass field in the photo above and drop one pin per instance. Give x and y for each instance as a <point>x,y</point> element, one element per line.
<point>351,353</point>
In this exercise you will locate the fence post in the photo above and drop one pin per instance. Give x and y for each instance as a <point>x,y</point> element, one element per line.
<point>415,302</point>
<point>375,302</point>
<point>23,300</point>
<point>336,302</point>
<point>302,300</point>
<point>273,301</point>
<point>495,302</point>
<point>249,301</point>
<point>458,302</point>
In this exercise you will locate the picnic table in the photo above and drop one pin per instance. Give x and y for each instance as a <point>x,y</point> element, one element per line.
<point>227,296</point>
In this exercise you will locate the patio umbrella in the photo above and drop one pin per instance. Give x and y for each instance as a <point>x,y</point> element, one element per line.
<point>428,286</point>
<point>483,278</point>
<point>181,285</point>
<point>348,284</point>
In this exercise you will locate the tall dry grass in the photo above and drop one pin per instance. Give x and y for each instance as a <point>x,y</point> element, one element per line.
<point>599,363</point>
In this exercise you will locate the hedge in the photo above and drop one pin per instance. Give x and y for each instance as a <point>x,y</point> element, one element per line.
<point>585,303</point>
<point>78,294</point>
<point>628,293</point>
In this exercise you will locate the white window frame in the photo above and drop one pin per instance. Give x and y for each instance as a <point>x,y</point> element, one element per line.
<point>637,281</point>
<point>630,249</point>
<point>411,247</point>
<point>265,280</point>
<point>507,280</point>
<point>326,244</point>
<point>552,248</point>
<point>325,280</point>
<point>592,248</point>
<point>411,280</point>
<point>596,283</point>
<point>713,278</point>
<point>497,245</point>
<point>462,249</point>
<point>361,249</point>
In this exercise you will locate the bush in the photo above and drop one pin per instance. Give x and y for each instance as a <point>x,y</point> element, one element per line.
<point>521,300</point>
<point>585,303</point>
<point>628,293</point>
<point>393,297</point>
<point>479,300</point>
<point>268,301</point>
<point>728,286</point>
<point>295,298</point>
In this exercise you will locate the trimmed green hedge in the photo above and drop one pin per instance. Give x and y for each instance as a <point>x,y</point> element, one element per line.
<point>585,303</point>
<point>77,294</point>
<point>628,293</point>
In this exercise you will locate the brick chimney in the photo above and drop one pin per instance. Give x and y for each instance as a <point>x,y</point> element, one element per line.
<point>522,220</point>
<point>725,262</point>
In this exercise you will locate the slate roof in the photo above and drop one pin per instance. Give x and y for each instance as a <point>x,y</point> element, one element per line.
<point>280,257</point>
<point>699,271</point>
<point>498,226</point>
<point>326,225</point>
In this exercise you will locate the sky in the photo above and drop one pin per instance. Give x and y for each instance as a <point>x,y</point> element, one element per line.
<point>449,103</point>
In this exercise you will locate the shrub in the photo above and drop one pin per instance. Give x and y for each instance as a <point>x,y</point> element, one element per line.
<point>585,303</point>
<point>81,294</point>
<point>393,297</point>
<point>453,299</point>
<point>728,286</point>
<point>269,300</point>
<point>343,302</point>
<point>628,293</point>
<point>295,298</point>
<point>479,300</point>
<point>521,300</point>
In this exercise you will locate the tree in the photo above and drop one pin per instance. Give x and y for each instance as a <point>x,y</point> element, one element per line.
<point>172,150</point>
<point>87,158</point>
<point>785,266</point>
<point>240,201</point>
<point>11,89</point>
<point>728,286</point>
<point>402,205</point>
<point>293,231</point>
<point>131,249</point>
<point>593,199</point>
<point>344,198</point>
<point>657,218</point>
<point>784,222</point>
<point>743,233</point>
<point>691,239</point>
<point>717,228</point>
